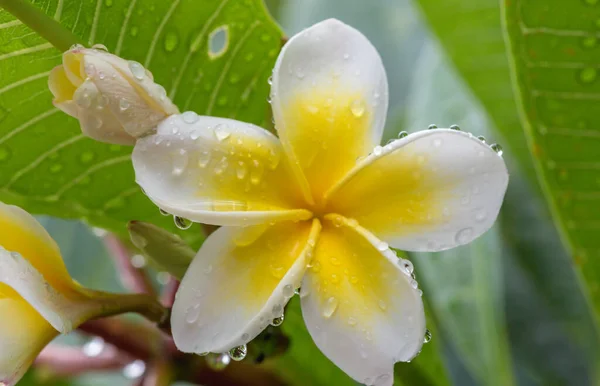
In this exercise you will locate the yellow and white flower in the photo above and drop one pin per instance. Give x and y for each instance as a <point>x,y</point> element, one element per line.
<point>114,99</point>
<point>317,208</point>
<point>38,298</point>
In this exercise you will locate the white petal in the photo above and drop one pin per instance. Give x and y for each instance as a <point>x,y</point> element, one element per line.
<point>217,171</point>
<point>23,334</point>
<point>429,191</point>
<point>359,303</point>
<point>238,283</point>
<point>330,97</point>
<point>96,119</point>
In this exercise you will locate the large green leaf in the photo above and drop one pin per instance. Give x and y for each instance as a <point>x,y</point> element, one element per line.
<point>47,166</point>
<point>554,58</point>
<point>471,33</point>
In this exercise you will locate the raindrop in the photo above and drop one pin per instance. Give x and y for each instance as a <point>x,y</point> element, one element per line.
<point>82,98</point>
<point>192,314</point>
<point>100,47</point>
<point>277,321</point>
<point>221,166</point>
<point>288,290</point>
<point>414,284</point>
<point>218,41</point>
<point>330,307</point>
<point>378,150</point>
<point>94,347</point>
<point>241,170</point>
<point>182,223</point>
<point>124,104</point>
<point>402,134</point>
<point>171,41</point>
<point>189,117</point>
<point>137,70</point>
<point>135,369</point>
<point>357,107</point>
<point>455,127</point>
<point>431,127</point>
<point>164,212</point>
<point>221,132</point>
<point>480,216</point>
<point>300,73</point>
<point>408,266</point>
<point>90,70</point>
<point>238,353</point>
<point>217,362</point>
<point>256,173</point>
<point>382,246</point>
<point>351,321</point>
<point>180,162</point>
<point>427,337</point>
<point>481,138</point>
<point>497,148</point>
<point>463,236</point>
<point>270,80</point>
<point>203,159</point>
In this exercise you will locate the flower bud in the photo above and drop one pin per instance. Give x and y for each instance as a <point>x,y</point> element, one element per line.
<point>115,100</point>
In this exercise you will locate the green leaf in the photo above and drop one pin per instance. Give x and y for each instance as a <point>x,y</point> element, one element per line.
<point>471,33</point>
<point>554,60</point>
<point>48,167</point>
<point>462,285</point>
<point>164,250</point>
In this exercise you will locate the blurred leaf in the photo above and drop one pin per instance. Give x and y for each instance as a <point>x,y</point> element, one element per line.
<point>555,60</point>
<point>462,285</point>
<point>471,33</point>
<point>47,166</point>
<point>549,321</point>
<point>164,250</point>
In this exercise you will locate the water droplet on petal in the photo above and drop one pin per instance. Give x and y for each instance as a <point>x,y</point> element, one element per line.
<point>330,307</point>
<point>278,321</point>
<point>497,148</point>
<point>357,107</point>
<point>352,321</point>
<point>192,314</point>
<point>203,159</point>
<point>481,138</point>
<point>189,117</point>
<point>382,246</point>
<point>378,150</point>
<point>288,290</point>
<point>100,47</point>
<point>455,127</point>
<point>463,236</point>
<point>238,353</point>
<point>164,212</point>
<point>427,337</point>
<point>402,134</point>
<point>182,223</point>
<point>137,70</point>
<point>180,161</point>
<point>221,132</point>
<point>124,104</point>
<point>431,127</point>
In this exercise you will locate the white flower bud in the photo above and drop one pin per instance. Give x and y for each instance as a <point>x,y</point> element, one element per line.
<point>115,100</point>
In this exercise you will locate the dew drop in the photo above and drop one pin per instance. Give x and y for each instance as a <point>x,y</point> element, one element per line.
<point>189,117</point>
<point>427,337</point>
<point>137,70</point>
<point>100,47</point>
<point>288,290</point>
<point>192,314</point>
<point>378,150</point>
<point>351,321</point>
<point>221,166</point>
<point>480,216</point>
<point>203,159</point>
<point>455,127</point>
<point>330,307</point>
<point>463,236</point>
<point>164,212</point>
<point>407,265</point>
<point>221,132</point>
<point>124,104</point>
<point>497,148</point>
<point>171,41</point>
<point>270,80</point>
<point>402,134</point>
<point>431,127</point>
<point>481,138</point>
<point>217,362</point>
<point>357,107</point>
<point>180,162</point>
<point>182,223</point>
<point>241,170</point>
<point>382,246</point>
<point>238,353</point>
<point>278,321</point>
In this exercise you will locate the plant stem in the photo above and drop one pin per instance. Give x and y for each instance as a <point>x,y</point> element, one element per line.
<point>70,361</point>
<point>48,28</point>
<point>135,279</point>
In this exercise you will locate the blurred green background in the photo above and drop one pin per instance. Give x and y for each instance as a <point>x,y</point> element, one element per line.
<point>512,308</point>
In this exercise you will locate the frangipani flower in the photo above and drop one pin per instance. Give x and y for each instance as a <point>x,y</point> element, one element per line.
<point>38,298</point>
<point>317,208</point>
<point>114,99</point>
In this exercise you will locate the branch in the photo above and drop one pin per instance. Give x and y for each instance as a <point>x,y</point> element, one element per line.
<point>135,279</point>
<point>37,20</point>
